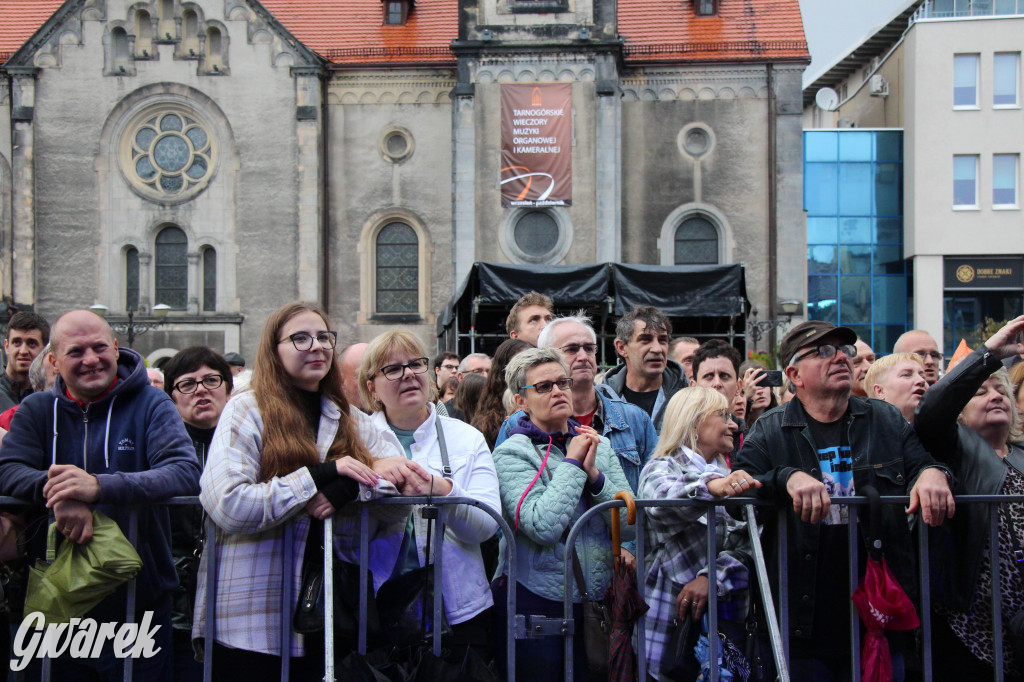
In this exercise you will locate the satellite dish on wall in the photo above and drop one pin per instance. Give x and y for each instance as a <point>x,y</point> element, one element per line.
<point>827,99</point>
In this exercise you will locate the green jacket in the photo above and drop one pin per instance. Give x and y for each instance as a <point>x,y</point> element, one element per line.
<point>555,502</point>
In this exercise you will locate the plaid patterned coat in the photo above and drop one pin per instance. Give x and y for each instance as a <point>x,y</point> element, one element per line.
<point>250,518</point>
<point>677,538</point>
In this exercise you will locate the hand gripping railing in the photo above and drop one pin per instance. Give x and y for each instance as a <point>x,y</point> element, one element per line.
<point>365,589</point>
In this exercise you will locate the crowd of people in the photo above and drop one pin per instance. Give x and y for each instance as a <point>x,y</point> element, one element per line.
<point>537,433</point>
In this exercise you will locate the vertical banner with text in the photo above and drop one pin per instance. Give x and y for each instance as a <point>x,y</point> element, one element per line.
<point>536,145</point>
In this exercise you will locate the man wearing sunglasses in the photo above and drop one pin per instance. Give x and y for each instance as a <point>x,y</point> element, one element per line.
<point>826,444</point>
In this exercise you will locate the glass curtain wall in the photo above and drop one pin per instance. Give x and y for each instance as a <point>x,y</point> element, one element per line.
<point>853,195</point>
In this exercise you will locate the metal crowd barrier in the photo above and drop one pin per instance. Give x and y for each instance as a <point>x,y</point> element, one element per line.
<point>516,625</point>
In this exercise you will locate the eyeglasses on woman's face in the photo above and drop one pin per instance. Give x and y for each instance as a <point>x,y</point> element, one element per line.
<point>724,413</point>
<point>211,382</point>
<point>542,387</point>
<point>303,341</point>
<point>397,371</point>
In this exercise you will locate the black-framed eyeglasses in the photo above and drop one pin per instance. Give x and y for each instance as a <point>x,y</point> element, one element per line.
<point>574,348</point>
<point>542,387</point>
<point>450,368</point>
<point>826,351</point>
<point>210,382</point>
<point>303,341</point>
<point>396,372</point>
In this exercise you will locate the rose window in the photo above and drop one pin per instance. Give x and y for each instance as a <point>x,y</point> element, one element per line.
<point>169,155</point>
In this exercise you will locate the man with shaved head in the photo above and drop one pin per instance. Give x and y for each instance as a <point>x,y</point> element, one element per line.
<point>921,344</point>
<point>104,438</point>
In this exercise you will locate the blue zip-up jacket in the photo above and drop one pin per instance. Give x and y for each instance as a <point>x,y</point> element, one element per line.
<point>627,427</point>
<point>132,439</point>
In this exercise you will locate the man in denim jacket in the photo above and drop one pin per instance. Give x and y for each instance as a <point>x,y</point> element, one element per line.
<point>825,444</point>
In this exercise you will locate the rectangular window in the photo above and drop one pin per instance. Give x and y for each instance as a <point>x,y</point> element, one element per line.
<point>394,13</point>
<point>965,80</point>
<point>705,8</point>
<point>965,181</point>
<point>1005,77</point>
<point>1004,180</point>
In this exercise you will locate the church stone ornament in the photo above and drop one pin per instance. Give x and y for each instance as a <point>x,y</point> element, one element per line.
<point>168,154</point>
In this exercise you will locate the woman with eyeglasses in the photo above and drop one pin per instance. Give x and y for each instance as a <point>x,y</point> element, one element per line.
<point>689,463</point>
<point>199,383</point>
<point>969,420</point>
<point>394,382</point>
<point>289,449</point>
<point>551,470</point>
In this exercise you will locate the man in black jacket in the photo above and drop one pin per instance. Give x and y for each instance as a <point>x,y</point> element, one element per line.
<point>822,445</point>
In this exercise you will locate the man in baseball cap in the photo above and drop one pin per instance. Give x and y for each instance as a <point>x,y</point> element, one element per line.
<point>826,444</point>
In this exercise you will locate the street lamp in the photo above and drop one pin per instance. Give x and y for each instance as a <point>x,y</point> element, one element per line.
<point>133,328</point>
<point>758,328</point>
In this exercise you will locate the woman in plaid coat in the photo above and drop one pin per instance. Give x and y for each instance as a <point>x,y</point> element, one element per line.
<point>689,463</point>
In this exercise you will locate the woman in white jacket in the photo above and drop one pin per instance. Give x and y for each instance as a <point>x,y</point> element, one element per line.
<point>393,381</point>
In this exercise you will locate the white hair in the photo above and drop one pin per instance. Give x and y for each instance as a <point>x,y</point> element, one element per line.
<point>546,338</point>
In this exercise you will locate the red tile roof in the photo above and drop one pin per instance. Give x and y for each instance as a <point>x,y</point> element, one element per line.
<point>743,30</point>
<point>19,19</point>
<point>353,31</point>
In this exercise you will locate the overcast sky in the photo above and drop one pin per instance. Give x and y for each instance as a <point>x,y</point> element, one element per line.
<point>834,27</point>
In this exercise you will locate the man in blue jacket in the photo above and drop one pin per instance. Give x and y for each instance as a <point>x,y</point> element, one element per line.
<point>104,438</point>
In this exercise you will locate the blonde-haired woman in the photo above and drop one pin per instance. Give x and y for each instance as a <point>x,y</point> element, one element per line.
<point>393,381</point>
<point>689,463</point>
<point>288,446</point>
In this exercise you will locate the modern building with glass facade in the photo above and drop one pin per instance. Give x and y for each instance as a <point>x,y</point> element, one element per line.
<point>853,195</point>
<point>948,74</point>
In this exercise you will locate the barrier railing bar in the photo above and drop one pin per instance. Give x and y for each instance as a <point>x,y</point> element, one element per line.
<point>715,644</point>
<point>438,583</point>
<point>641,586</point>
<point>211,598</point>
<point>997,607</point>
<point>782,524</point>
<point>853,541</point>
<point>133,537</point>
<point>761,574</point>
<point>328,559</point>
<point>926,596</point>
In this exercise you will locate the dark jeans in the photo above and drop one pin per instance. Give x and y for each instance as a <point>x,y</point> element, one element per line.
<point>537,659</point>
<point>186,667</point>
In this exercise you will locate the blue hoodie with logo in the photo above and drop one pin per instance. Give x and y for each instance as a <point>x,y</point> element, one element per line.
<point>131,438</point>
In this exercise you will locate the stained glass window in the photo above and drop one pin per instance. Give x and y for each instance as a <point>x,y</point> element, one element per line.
<point>209,280</point>
<point>131,278</point>
<point>172,268</point>
<point>397,251</point>
<point>696,242</point>
<point>171,154</point>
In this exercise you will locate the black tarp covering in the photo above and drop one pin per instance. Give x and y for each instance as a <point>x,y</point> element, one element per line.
<point>680,290</point>
<point>702,300</point>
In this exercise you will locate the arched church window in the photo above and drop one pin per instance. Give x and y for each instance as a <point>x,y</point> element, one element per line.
<point>209,279</point>
<point>170,154</point>
<point>131,278</point>
<point>397,270</point>
<point>143,35</point>
<point>172,268</point>
<point>696,242</point>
